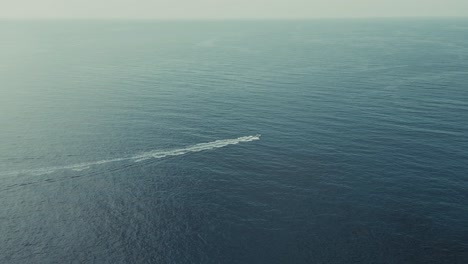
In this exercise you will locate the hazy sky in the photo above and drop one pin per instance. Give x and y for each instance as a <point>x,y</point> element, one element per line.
<point>218,9</point>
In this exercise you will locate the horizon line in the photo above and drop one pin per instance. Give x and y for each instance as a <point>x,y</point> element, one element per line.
<point>228,19</point>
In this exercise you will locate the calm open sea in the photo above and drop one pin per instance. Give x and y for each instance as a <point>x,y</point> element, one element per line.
<point>326,141</point>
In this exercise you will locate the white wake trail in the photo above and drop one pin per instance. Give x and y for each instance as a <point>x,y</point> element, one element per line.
<point>195,148</point>
<point>154,154</point>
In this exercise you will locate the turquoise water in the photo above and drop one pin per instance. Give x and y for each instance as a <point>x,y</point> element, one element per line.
<point>328,141</point>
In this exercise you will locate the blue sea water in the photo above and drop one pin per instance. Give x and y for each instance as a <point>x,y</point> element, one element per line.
<point>322,141</point>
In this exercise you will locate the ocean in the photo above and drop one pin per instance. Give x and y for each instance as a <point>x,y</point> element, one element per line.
<point>316,141</point>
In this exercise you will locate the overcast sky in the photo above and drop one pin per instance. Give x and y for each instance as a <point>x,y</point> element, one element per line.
<point>229,9</point>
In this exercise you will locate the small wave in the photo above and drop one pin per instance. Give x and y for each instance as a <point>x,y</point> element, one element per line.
<point>154,154</point>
